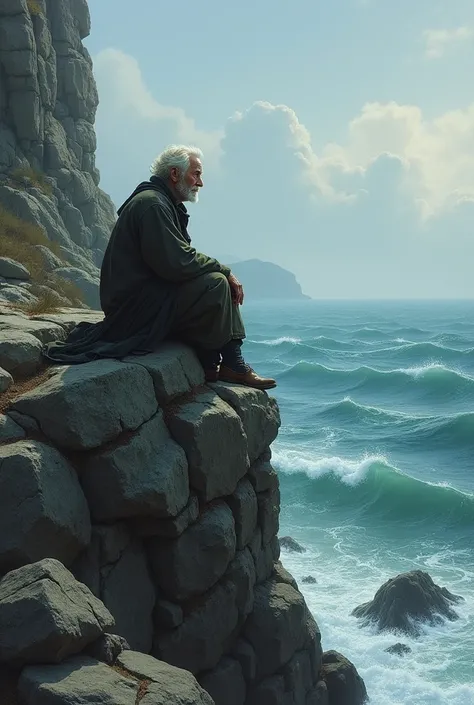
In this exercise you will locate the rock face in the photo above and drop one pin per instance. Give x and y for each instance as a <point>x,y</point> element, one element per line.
<point>46,615</point>
<point>48,101</point>
<point>157,494</point>
<point>406,601</point>
<point>343,683</point>
<point>289,544</point>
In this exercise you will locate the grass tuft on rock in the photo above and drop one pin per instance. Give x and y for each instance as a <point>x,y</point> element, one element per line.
<point>26,176</point>
<point>34,8</point>
<point>17,241</point>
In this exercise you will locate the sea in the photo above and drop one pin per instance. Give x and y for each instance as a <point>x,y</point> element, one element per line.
<point>376,463</point>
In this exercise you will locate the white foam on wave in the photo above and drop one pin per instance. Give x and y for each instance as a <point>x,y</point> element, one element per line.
<point>422,370</point>
<point>436,672</point>
<point>351,472</point>
<point>278,341</point>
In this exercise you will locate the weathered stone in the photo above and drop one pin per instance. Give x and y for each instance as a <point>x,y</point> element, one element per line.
<point>50,261</point>
<point>46,615</point>
<point>43,330</point>
<point>20,353</point>
<point>241,573</point>
<point>167,615</point>
<point>398,649</point>
<point>309,580</point>
<point>312,643</point>
<point>81,407</point>
<point>276,626</point>
<point>107,648</point>
<point>205,634</point>
<point>263,556</point>
<point>168,528</point>
<point>9,430</point>
<point>6,380</point>
<point>25,105</point>
<point>206,428</point>
<point>127,591</point>
<point>259,414</point>
<point>77,681</point>
<point>318,695</point>
<point>289,544</point>
<point>245,509</point>
<point>275,548</point>
<point>195,561</point>
<point>167,685</point>
<point>245,654</point>
<point>269,514</point>
<point>174,368</point>
<point>17,295</point>
<point>281,575</point>
<point>271,691</point>
<point>263,476</point>
<point>146,476</point>
<point>405,601</point>
<point>345,686</point>
<point>43,512</point>
<point>108,543</point>
<point>11,269</point>
<point>264,564</point>
<point>69,319</point>
<point>298,677</point>
<point>27,423</point>
<point>88,284</point>
<point>225,683</point>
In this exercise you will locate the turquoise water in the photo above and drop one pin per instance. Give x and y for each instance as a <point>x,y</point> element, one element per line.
<point>376,463</point>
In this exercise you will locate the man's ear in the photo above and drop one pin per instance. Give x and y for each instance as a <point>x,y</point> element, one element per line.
<point>174,174</point>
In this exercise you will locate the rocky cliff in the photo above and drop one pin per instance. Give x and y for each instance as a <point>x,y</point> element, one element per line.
<point>139,514</point>
<point>48,178</point>
<point>266,280</point>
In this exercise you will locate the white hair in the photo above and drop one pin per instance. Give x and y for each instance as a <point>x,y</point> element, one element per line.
<point>174,156</point>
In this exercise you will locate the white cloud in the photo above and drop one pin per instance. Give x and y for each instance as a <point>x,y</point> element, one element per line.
<point>436,156</point>
<point>437,41</point>
<point>123,92</point>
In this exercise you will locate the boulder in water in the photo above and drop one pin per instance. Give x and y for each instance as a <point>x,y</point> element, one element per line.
<point>405,601</point>
<point>398,649</point>
<point>289,544</point>
<point>309,579</point>
<point>345,686</point>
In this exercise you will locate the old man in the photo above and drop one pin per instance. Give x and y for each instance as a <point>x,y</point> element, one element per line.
<point>155,286</point>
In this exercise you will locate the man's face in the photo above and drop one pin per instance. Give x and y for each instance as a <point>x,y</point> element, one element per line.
<point>190,182</point>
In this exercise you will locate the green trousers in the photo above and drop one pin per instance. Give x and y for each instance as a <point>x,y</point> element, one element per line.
<point>205,315</point>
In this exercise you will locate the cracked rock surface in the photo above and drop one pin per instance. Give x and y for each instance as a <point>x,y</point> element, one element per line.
<point>46,615</point>
<point>48,177</point>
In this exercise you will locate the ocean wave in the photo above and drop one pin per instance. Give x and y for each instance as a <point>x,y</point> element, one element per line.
<point>432,379</point>
<point>373,487</point>
<point>410,351</point>
<point>320,342</point>
<point>453,431</point>
<point>374,334</point>
<point>275,342</point>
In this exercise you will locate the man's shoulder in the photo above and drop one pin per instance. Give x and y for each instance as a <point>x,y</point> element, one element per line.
<point>150,197</point>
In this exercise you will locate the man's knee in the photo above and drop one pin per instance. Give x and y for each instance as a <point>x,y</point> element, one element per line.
<point>213,282</point>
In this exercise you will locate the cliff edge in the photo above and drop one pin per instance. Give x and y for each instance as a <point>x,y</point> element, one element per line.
<point>139,514</point>
<point>48,177</point>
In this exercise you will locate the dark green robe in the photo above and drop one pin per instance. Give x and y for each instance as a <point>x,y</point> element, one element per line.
<point>154,285</point>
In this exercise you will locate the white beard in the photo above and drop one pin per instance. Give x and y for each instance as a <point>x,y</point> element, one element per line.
<point>187,193</point>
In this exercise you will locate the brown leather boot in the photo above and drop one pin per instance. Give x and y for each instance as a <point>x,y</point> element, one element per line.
<point>249,378</point>
<point>212,375</point>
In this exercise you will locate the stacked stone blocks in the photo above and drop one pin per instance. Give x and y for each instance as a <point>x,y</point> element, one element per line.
<point>157,492</point>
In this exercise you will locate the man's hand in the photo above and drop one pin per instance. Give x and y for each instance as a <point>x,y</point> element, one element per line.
<point>236,289</point>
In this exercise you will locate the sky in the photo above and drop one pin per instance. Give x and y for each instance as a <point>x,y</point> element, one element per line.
<point>338,135</point>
